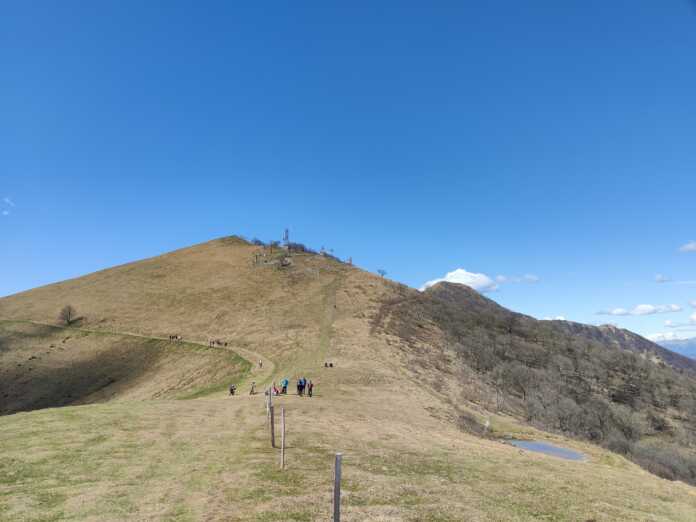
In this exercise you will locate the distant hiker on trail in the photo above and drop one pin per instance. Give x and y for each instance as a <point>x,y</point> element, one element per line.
<point>276,392</point>
<point>260,364</point>
<point>300,386</point>
<point>310,388</point>
<point>284,384</point>
<point>253,388</point>
<point>233,388</point>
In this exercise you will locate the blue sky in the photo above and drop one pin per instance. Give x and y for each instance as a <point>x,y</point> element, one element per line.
<point>548,142</point>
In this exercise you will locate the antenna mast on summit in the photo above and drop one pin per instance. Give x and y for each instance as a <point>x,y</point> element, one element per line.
<point>286,236</point>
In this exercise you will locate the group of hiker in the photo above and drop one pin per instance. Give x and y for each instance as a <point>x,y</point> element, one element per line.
<point>304,387</point>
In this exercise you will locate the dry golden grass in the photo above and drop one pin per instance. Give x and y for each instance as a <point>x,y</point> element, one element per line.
<point>209,458</point>
<point>44,366</point>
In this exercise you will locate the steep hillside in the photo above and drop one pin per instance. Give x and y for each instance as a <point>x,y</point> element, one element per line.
<point>423,385</point>
<point>46,366</point>
<point>217,291</point>
<point>610,335</point>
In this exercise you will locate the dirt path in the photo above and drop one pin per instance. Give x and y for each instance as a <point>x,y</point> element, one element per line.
<point>328,316</point>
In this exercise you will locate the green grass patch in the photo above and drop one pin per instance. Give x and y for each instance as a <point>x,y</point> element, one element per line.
<point>242,367</point>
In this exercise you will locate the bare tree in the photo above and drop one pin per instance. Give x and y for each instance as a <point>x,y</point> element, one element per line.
<point>382,272</point>
<point>67,315</point>
<point>519,378</point>
<point>498,381</point>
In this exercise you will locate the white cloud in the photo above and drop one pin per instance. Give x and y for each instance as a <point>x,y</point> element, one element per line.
<point>527,278</point>
<point>8,201</point>
<point>682,326</point>
<point>643,309</point>
<point>667,336</point>
<point>661,278</point>
<point>615,311</point>
<point>557,318</point>
<point>5,212</point>
<point>646,309</point>
<point>688,247</point>
<point>479,282</point>
<point>692,303</point>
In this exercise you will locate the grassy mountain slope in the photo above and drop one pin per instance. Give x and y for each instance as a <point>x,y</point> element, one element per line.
<point>402,402</point>
<point>47,366</point>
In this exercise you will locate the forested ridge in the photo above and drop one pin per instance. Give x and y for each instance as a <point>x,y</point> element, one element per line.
<point>601,384</point>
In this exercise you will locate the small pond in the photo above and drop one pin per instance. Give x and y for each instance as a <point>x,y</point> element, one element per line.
<point>547,449</point>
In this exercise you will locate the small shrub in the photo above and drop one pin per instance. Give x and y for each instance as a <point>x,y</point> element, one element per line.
<point>299,247</point>
<point>67,315</point>
<point>469,423</point>
<point>666,461</point>
<point>618,443</point>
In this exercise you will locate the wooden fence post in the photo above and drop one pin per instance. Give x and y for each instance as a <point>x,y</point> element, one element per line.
<point>272,427</point>
<point>337,488</point>
<point>269,403</point>
<point>282,438</point>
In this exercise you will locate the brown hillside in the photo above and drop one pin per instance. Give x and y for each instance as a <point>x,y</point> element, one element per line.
<point>415,376</point>
<point>44,366</point>
<point>214,291</point>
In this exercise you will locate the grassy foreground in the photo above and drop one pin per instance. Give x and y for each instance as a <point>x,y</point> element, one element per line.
<point>210,459</point>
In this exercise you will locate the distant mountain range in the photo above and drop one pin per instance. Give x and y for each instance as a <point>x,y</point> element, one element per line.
<point>686,347</point>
